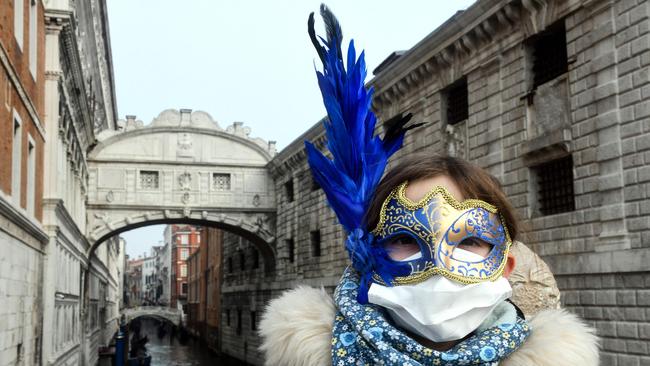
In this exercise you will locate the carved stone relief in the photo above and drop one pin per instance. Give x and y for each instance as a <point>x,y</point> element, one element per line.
<point>551,108</point>
<point>110,196</point>
<point>455,139</point>
<point>184,146</point>
<point>185,181</point>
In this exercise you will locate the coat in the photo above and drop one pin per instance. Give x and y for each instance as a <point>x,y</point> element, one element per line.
<point>296,328</point>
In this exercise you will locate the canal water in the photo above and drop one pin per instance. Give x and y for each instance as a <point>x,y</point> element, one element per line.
<point>170,351</point>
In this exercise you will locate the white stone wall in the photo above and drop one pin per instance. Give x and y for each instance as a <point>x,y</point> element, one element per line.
<point>20,294</point>
<point>75,61</point>
<point>181,165</point>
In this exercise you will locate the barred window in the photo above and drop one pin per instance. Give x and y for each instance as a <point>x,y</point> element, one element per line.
<point>288,190</point>
<point>290,249</point>
<point>242,261</point>
<point>555,186</point>
<point>221,181</point>
<point>314,184</point>
<point>457,103</point>
<point>149,179</point>
<point>256,259</point>
<point>253,320</point>
<point>315,243</point>
<point>549,54</point>
<point>238,322</point>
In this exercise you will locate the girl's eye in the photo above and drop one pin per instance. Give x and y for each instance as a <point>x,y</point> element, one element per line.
<point>403,240</point>
<point>472,242</point>
<point>401,247</point>
<point>475,245</point>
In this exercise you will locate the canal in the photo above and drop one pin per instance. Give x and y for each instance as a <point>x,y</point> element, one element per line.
<point>169,350</point>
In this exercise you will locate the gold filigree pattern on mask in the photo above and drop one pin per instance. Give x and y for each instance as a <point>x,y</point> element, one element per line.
<point>442,222</point>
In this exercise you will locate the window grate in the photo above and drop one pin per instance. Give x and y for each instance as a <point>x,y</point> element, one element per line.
<point>555,184</point>
<point>253,320</point>
<point>457,103</point>
<point>550,54</point>
<point>256,259</point>
<point>314,184</point>
<point>290,249</point>
<point>315,243</point>
<point>220,182</point>
<point>149,179</point>
<point>288,190</point>
<point>238,322</point>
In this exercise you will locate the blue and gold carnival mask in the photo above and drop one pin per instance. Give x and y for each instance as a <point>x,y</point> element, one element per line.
<point>439,223</point>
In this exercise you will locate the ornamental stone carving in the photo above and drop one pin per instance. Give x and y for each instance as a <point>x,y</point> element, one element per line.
<point>185,181</point>
<point>184,148</point>
<point>455,139</point>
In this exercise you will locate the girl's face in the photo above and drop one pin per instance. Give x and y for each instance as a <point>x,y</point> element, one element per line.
<point>405,246</point>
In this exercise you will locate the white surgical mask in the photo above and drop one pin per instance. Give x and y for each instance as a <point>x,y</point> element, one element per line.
<point>440,309</point>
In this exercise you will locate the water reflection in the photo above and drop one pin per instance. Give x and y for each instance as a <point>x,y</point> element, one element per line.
<point>168,350</point>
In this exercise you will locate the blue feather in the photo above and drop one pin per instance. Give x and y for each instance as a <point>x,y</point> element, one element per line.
<point>359,158</point>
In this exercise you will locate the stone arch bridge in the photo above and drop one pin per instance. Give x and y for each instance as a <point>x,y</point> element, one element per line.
<point>182,168</point>
<point>174,316</point>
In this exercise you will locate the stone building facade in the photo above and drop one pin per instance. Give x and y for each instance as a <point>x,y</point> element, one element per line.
<point>22,235</point>
<point>81,287</point>
<point>553,98</point>
<point>247,286</point>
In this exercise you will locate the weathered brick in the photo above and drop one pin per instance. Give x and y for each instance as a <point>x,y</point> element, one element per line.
<point>629,65</point>
<point>624,5</point>
<point>609,359</point>
<point>644,331</point>
<point>643,297</point>
<point>635,314</point>
<point>641,77</point>
<point>613,344</point>
<point>631,97</point>
<point>642,109</point>
<point>643,142</point>
<point>606,328</point>
<point>628,360</point>
<point>639,13</point>
<point>638,347</point>
<point>626,297</point>
<point>627,330</point>
<point>606,297</point>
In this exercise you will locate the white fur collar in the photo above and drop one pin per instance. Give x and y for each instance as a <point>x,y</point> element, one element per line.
<point>296,329</point>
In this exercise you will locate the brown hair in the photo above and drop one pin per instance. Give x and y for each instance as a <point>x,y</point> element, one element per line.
<point>473,182</point>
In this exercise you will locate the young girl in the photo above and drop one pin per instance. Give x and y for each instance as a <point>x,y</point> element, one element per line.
<point>430,250</point>
<point>432,320</point>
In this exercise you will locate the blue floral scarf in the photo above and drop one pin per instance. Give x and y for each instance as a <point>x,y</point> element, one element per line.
<point>363,336</point>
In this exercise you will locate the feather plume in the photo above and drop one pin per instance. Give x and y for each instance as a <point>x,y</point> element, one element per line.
<point>359,157</point>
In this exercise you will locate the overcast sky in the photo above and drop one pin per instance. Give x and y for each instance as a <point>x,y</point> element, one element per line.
<point>249,61</point>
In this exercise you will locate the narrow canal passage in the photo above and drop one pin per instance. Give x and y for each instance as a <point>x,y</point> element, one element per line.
<point>170,351</point>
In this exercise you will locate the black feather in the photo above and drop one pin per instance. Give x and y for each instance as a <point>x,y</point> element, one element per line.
<point>396,126</point>
<point>333,29</point>
<point>314,40</point>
